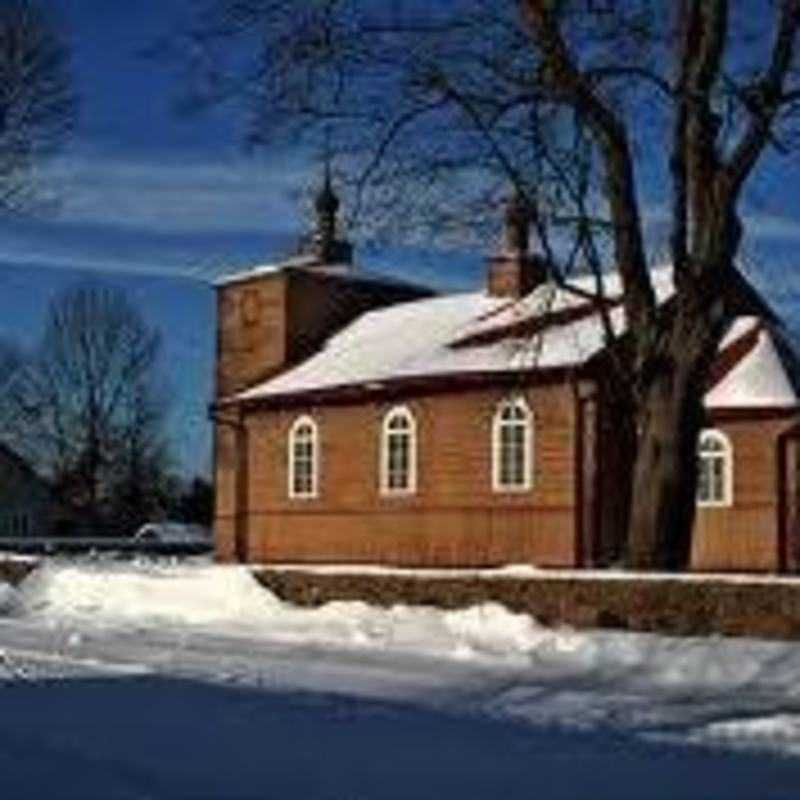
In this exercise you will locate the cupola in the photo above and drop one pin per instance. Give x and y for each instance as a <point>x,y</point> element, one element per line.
<point>326,245</point>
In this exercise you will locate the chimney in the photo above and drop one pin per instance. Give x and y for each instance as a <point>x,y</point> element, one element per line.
<point>514,272</point>
<point>326,247</point>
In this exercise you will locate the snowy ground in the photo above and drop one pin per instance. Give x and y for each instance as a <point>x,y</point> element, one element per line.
<point>167,680</point>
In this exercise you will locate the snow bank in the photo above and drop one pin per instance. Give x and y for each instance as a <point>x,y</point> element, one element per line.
<point>146,594</point>
<point>226,599</point>
<point>777,732</point>
<point>152,595</point>
<point>9,599</point>
<point>229,600</point>
<point>736,693</point>
<point>18,557</point>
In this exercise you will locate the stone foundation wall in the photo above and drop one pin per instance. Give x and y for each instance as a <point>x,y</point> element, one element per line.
<point>670,606</point>
<point>14,571</point>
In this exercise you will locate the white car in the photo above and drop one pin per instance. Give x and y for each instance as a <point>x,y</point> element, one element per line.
<point>172,533</point>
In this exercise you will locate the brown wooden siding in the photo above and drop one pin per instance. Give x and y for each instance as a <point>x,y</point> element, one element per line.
<point>454,519</point>
<point>225,477</point>
<point>271,321</point>
<point>745,535</point>
<point>251,332</point>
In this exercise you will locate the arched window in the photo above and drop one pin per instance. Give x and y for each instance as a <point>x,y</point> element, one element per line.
<point>512,447</point>
<point>399,452</point>
<point>714,469</point>
<point>303,459</point>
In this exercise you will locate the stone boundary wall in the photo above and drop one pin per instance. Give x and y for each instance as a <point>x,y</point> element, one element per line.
<point>760,608</point>
<point>14,570</point>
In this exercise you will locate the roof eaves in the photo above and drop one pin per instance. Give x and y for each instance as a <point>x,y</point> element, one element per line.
<point>433,383</point>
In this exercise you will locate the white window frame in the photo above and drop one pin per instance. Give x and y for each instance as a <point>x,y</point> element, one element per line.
<point>498,423</point>
<point>726,453</point>
<point>291,458</point>
<point>405,413</point>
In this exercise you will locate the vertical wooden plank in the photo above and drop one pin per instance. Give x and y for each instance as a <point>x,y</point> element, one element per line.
<point>789,504</point>
<point>587,468</point>
<point>242,492</point>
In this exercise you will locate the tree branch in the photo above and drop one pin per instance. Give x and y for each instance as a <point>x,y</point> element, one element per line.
<point>765,98</point>
<point>570,87</point>
<point>694,163</point>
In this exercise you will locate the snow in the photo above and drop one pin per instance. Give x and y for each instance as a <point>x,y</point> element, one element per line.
<point>765,729</point>
<point>312,264</point>
<point>224,689</point>
<point>8,599</point>
<point>262,270</point>
<point>426,338</point>
<point>741,326</point>
<point>147,596</point>
<point>380,344</point>
<point>155,738</point>
<point>17,557</point>
<point>549,298</point>
<point>758,380</point>
<point>415,339</point>
<point>198,596</point>
<point>523,571</point>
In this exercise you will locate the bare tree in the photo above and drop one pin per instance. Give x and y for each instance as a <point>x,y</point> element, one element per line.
<point>86,410</point>
<point>37,104</point>
<point>434,109</point>
<point>11,358</point>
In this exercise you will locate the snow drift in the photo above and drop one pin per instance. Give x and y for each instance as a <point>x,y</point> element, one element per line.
<point>218,623</point>
<point>9,599</point>
<point>148,595</point>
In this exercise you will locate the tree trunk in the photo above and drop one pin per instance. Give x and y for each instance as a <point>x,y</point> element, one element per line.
<point>617,443</point>
<point>665,470</point>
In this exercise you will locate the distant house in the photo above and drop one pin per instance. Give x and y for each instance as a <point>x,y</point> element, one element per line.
<point>27,507</point>
<point>363,420</point>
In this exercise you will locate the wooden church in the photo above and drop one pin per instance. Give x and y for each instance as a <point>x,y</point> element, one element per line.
<point>359,419</point>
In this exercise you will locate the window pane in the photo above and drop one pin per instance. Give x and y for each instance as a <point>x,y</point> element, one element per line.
<point>703,481</point>
<point>714,463</point>
<point>399,460</point>
<point>718,482</point>
<point>302,461</point>
<point>512,454</point>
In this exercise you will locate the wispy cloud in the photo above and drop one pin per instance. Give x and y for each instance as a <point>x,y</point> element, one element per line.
<point>174,196</point>
<point>772,227</point>
<point>759,226</point>
<point>129,214</point>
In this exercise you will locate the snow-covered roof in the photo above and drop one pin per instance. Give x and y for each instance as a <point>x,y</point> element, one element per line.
<point>551,299</point>
<point>260,270</point>
<point>759,380</point>
<point>383,344</point>
<point>471,333</point>
<point>311,264</point>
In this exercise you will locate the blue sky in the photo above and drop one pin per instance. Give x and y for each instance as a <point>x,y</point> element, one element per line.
<point>157,203</point>
<point>160,203</point>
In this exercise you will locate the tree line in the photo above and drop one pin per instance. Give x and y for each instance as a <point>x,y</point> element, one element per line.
<point>87,408</point>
